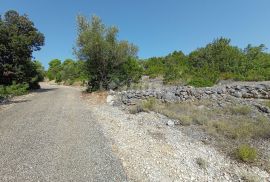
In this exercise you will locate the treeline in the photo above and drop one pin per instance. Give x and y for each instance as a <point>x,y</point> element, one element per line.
<point>108,63</point>
<point>68,72</point>
<point>218,60</point>
<point>18,39</point>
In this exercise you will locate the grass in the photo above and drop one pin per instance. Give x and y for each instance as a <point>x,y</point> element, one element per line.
<point>246,153</point>
<point>240,110</point>
<point>230,126</point>
<point>267,103</point>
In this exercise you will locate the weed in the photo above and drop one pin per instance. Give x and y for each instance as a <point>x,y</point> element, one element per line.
<point>246,153</point>
<point>201,163</point>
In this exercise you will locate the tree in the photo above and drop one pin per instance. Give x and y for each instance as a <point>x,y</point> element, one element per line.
<point>19,38</point>
<point>54,69</point>
<point>105,56</point>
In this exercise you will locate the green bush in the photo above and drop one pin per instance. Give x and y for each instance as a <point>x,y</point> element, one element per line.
<point>246,153</point>
<point>201,82</point>
<point>13,90</point>
<point>218,60</point>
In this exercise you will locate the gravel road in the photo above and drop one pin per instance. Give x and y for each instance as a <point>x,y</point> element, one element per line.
<point>52,136</point>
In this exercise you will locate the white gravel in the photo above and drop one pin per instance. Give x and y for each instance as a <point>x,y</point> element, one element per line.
<point>150,150</point>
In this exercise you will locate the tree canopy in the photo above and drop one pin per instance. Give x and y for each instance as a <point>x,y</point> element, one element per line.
<point>205,66</point>
<point>106,57</point>
<point>19,38</point>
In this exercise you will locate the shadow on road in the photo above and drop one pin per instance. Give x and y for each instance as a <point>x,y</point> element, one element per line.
<point>45,90</point>
<point>7,102</point>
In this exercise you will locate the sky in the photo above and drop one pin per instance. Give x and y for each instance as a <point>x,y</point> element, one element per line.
<point>157,27</point>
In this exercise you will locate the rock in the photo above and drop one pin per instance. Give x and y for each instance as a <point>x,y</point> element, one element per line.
<point>170,123</point>
<point>186,93</point>
<point>263,108</point>
<point>237,94</point>
<point>110,99</point>
<point>111,92</point>
<point>201,107</point>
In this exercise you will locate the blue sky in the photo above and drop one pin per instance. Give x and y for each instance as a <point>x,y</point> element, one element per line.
<point>157,27</point>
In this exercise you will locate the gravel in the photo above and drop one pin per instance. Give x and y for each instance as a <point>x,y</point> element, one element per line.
<point>151,149</point>
<point>53,136</point>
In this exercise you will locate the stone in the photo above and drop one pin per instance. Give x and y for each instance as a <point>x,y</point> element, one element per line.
<point>263,108</point>
<point>237,94</point>
<point>110,99</point>
<point>170,123</point>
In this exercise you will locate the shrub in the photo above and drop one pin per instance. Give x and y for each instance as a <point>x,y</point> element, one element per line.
<point>200,82</point>
<point>13,90</point>
<point>246,153</point>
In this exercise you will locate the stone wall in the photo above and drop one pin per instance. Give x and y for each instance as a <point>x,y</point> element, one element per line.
<point>183,93</point>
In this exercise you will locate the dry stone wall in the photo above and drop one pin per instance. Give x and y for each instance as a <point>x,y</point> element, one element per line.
<point>184,93</point>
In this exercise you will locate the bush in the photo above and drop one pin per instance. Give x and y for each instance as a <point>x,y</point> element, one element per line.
<point>13,90</point>
<point>246,153</point>
<point>201,82</point>
<point>218,60</point>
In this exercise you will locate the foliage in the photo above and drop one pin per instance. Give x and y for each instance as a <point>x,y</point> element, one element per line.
<point>246,153</point>
<point>108,60</point>
<point>19,38</point>
<point>69,71</point>
<point>218,60</point>
<point>54,69</point>
<point>13,90</point>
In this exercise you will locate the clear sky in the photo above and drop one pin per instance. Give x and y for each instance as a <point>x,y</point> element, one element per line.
<point>157,27</point>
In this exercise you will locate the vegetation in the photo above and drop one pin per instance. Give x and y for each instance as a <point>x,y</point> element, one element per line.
<point>246,153</point>
<point>13,90</point>
<point>69,71</point>
<point>109,62</point>
<point>201,163</point>
<point>216,61</point>
<point>231,126</point>
<point>19,38</point>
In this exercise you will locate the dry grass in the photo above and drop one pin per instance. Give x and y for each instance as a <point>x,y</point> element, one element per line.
<point>239,110</point>
<point>267,103</point>
<point>231,126</point>
<point>95,97</point>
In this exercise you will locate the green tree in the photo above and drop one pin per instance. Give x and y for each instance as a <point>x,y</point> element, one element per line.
<point>105,56</point>
<point>54,69</point>
<point>19,38</point>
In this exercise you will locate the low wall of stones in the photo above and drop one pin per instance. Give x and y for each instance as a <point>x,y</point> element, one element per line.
<point>184,93</point>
